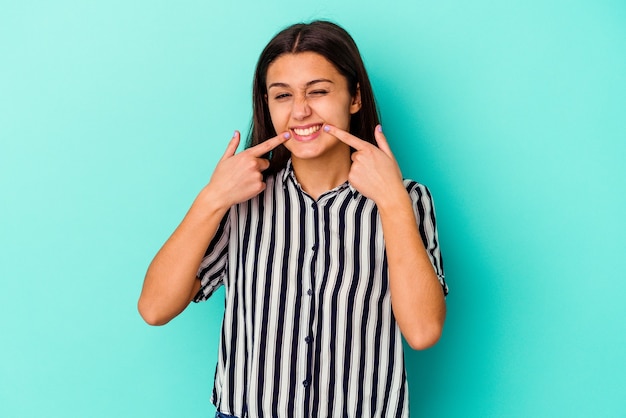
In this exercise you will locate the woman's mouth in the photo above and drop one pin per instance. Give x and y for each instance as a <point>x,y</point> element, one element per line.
<point>307,133</point>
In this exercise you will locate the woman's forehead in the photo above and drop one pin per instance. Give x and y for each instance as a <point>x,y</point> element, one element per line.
<point>299,70</point>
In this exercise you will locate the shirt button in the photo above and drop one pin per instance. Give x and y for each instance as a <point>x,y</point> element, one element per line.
<point>305,383</point>
<point>309,292</point>
<point>308,339</point>
<point>314,248</point>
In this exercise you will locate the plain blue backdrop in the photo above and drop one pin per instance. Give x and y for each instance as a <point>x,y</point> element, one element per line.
<point>113,115</point>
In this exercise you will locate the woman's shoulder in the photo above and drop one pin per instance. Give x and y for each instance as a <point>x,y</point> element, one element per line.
<point>411,184</point>
<point>417,190</point>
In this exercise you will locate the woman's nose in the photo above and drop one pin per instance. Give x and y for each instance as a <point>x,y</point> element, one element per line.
<point>300,109</point>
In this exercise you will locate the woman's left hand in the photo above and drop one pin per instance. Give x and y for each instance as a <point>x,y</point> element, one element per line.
<point>374,172</point>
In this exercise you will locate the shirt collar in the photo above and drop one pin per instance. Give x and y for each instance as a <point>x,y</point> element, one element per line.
<point>288,172</point>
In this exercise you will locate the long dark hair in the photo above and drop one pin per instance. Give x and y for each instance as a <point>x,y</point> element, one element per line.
<point>337,46</point>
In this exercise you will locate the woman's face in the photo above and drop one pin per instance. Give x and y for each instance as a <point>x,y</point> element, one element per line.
<point>305,91</point>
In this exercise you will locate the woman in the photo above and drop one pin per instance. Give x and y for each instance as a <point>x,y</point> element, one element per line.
<point>328,256</point>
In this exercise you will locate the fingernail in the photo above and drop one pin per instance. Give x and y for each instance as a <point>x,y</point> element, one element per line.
<point>234,134</point>
<point>379,128</point>
<point>326,128</point>
<point>286,135</point>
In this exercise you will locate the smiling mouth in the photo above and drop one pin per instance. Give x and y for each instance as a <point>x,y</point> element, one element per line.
<point>307,131</point>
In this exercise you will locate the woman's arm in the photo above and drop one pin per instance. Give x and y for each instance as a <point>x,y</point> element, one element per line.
<point>170,282</point>
<point>417,297</point>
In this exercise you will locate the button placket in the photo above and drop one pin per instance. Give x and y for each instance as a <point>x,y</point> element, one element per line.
<point>313,259</point>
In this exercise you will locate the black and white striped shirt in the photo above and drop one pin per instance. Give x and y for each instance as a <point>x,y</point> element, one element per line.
<point>308,329</point>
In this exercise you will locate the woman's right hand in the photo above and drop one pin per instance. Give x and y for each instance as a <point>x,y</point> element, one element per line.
<point>239,177</point>
<point>171,282</point>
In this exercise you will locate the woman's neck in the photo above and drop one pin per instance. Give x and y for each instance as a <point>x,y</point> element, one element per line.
<point>317,176</point>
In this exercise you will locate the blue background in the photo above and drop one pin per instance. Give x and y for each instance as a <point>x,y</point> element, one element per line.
<point>113,115</point>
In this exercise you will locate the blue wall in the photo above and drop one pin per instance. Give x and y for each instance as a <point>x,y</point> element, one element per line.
<point>113,114</point>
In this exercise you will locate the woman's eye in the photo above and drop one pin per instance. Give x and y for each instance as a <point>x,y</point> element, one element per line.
<point>317,93</point>
<point>281,96</point>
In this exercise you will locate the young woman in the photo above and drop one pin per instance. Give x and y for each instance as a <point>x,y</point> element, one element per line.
<point>328,256</point>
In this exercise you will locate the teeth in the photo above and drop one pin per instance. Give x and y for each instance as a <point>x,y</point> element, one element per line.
<point>307,131</point>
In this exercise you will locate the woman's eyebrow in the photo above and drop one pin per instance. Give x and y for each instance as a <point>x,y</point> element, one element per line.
<point>308,84</point>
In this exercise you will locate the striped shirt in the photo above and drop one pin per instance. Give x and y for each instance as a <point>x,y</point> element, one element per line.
<point>308,329</point>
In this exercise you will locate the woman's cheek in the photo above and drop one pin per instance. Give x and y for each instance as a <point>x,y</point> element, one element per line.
<point>279,117</point>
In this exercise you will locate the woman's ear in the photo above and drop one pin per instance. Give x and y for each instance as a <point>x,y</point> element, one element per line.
<point>355,106</point>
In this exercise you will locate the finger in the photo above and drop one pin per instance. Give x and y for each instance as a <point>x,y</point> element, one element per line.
<point>263,164</point>
<point>232,146</point>
<point>381,140</point>
<point>266,146</point>
<point>345,137</point>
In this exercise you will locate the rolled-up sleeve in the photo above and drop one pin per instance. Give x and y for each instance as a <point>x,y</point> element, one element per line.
<point>425,215</point>
<point>214,265</point>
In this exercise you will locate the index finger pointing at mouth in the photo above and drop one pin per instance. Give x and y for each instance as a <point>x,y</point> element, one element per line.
<point>345,137</point>
<point>266,146</point>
